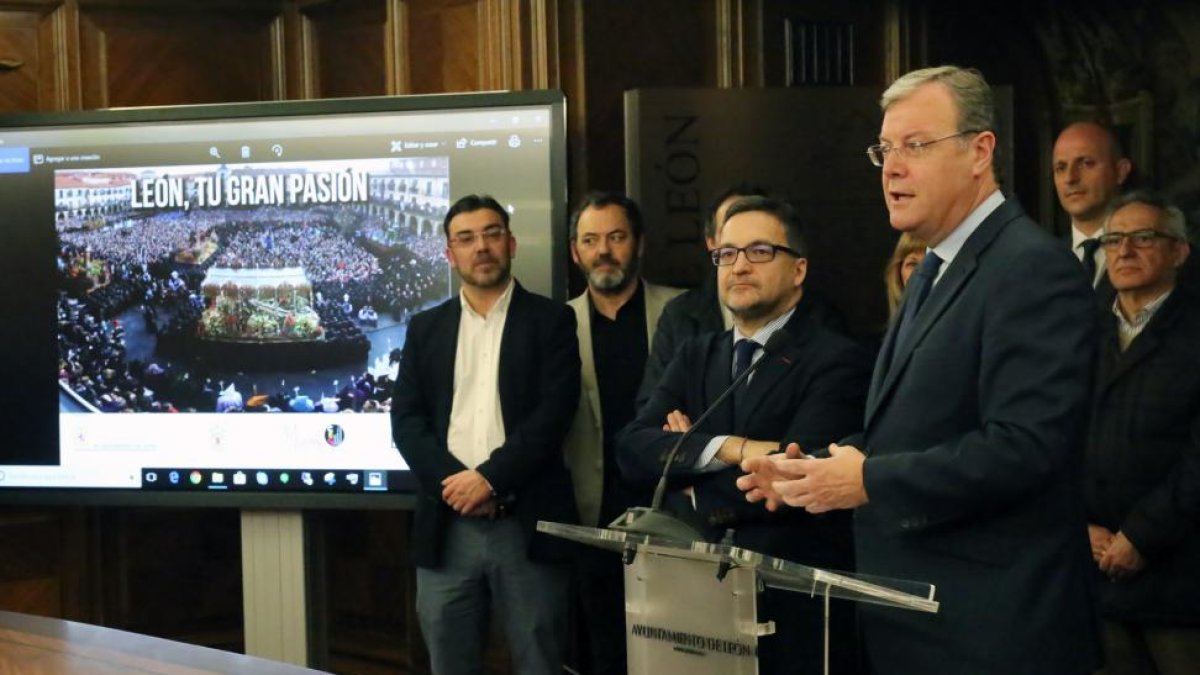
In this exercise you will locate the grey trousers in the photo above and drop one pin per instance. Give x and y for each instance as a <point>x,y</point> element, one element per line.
<point>485,571</point>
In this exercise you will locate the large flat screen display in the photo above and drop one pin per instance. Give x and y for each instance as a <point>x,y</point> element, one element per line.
<point>205,304</point>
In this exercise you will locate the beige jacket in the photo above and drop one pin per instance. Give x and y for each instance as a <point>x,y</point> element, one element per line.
<point>584,448</point>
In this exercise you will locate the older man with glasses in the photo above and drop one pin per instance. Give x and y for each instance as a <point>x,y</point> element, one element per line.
<point>809,391</point>
<point>968,473</point>
<point>1143,460</point>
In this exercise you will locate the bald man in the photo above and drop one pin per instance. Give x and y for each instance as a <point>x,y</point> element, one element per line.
<point>1089,170</point>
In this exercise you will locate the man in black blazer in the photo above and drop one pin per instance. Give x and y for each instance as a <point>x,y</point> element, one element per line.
<point>968,473</point>
<point>1143,459</point>
<point>487,386</point>
<point>810,392</point>
<point>1089,169</point>
<point>698,310</point>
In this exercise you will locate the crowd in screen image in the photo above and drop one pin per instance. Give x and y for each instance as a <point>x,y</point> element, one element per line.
<point>133,304</point>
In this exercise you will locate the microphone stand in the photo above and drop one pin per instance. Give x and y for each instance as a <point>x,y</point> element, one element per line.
<point>653,520</point>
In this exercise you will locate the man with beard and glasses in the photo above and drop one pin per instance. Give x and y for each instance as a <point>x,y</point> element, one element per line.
<point>484,396</point>
<point>615,319</point>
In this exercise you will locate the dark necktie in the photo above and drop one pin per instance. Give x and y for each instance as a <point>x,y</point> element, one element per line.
<point>743,356</point>
<point>1089,247</point>
<point>918,289</point>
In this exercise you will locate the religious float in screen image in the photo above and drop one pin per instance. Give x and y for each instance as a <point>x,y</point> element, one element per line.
<point>280,287</point>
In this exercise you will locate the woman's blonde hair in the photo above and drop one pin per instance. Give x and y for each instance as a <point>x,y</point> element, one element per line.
<point>891,274</point>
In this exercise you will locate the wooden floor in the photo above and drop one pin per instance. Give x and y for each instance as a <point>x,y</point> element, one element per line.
<point>33,645</point>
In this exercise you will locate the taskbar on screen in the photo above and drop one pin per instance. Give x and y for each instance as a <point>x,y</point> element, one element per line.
<point>190,479</point>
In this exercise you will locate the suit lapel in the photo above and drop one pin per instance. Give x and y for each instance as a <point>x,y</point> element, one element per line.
<point>1117,363</point>
<point>583,318</point>
<point>444,343</point>
<point>717,379</point>
<point>940,298</point>
<point>764,380</point>
<point>512,367</point>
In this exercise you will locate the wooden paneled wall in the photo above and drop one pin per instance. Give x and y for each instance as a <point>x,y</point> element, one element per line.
<point>59,55</point>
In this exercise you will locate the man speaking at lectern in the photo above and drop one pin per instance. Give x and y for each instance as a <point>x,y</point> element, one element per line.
<point>968,474</point>
<point>809,390</point>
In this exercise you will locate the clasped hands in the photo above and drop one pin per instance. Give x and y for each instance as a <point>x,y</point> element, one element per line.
<point>1114,554</point>
<point>795,479</point>
<point>469,494</point>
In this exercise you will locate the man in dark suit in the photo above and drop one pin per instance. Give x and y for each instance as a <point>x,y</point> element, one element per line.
<point>1089,169</point>
<point>968,473</point>
<point>696,311</point>
<point>1143,459</point>
<point>487,386</point>
<point>810,392</point>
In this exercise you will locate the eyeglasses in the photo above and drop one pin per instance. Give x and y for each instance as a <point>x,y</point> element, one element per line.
<point>467,238</point>
<point>755,253</point>
<point>1139,238</point>
<point>910,149</point>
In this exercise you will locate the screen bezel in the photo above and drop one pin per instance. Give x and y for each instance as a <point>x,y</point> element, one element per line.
<point>392,499</point>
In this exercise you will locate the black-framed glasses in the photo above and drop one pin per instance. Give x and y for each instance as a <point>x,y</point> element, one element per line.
<point>467,238</point>
<point>1138,238</point>
<point>755,253</point>
<point>910,149</point>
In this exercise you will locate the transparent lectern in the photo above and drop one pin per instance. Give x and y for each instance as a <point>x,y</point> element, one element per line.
<point>691,606</point>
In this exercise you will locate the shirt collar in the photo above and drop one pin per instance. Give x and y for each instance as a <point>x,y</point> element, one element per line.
<point>1143,315</point>
<point>763,334</point>
<point>1078,237</point>
<point>952,244</point>
<point>500,307</point>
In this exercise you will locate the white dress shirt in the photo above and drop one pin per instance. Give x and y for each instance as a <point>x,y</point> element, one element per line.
<point>476,423</point>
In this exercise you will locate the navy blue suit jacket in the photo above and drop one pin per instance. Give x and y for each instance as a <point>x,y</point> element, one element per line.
<point>539,391</point>
<point>974,435</point>
<point>811,392</point>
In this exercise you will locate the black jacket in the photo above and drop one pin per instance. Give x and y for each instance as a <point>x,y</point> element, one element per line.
<point>539,390</point>
<point>1143,462</point>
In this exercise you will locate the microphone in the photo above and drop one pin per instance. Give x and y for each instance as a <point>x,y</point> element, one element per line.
<point>653,520</point>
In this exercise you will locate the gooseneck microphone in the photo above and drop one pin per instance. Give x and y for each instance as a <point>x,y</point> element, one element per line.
<point>653,520</point>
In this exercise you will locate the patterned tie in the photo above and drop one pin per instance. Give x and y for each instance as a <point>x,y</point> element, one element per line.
<point>1089,247</point>
<point>918,289</point>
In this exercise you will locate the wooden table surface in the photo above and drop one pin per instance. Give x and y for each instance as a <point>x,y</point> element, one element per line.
<point>34,645</point>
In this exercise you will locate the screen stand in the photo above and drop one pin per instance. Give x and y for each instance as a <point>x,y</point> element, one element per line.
<point>274,597</point>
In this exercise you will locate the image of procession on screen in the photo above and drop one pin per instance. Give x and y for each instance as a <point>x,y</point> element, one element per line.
<point>264,287</point>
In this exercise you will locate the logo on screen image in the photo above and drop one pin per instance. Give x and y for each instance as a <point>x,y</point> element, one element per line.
<point>195,477</point>
<point>334,435</point>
